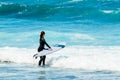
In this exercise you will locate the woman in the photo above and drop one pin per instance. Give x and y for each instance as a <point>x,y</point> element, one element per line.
<point>41,47</point>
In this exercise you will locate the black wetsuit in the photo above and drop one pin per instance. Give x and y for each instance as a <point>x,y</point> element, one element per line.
<point>41,47</point>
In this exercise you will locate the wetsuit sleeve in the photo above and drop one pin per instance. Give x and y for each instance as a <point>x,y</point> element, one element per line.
<point>47,44</point>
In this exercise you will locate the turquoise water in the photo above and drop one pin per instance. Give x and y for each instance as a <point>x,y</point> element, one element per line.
<point>91,29</point>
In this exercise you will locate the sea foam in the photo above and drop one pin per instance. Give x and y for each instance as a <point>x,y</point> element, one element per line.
<point>74,57</point>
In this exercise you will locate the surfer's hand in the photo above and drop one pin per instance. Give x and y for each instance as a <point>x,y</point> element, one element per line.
<point>51,49</point>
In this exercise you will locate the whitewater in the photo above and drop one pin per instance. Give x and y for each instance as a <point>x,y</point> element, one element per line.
<point>77,57</point>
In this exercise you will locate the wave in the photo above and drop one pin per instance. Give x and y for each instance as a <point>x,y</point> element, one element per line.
<point>74,57</point>
<point>58,12</point>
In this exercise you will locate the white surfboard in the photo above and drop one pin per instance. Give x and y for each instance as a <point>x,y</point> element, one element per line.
<point>55,48</point>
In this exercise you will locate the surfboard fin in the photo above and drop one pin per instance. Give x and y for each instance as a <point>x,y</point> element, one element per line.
<point>35,56</point>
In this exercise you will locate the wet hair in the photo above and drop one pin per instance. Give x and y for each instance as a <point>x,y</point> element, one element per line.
<point>41,34</point>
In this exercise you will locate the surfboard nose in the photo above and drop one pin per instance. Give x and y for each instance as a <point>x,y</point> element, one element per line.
<point>62,45</point>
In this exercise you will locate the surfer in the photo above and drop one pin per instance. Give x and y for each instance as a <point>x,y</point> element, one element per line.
<point>41,47</point>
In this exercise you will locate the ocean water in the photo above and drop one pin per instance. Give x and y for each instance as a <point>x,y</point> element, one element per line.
<point>90,28</point>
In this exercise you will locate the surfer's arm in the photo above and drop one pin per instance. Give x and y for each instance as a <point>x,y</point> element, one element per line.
<point>47,44</point>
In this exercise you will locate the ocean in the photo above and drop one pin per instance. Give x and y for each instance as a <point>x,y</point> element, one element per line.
<point>90,28</point>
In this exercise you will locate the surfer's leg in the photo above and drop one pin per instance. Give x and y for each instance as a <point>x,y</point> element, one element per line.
<point>44,57</point>
<point>41,57</point>
<point>40,61</point>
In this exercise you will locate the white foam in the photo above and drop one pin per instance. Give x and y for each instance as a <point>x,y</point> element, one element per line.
<point>75,1</point>
<point>4,3</point>
<point>17,55</point>
<point>107,11</point>
<point>75,37</point>
<point>81,36</point>
<point>111,11</point>
<point>76,57</point>
<point>91,58</point>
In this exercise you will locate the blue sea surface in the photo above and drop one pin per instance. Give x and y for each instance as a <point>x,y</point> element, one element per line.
<point>90,28</point>
<point>28,72</point>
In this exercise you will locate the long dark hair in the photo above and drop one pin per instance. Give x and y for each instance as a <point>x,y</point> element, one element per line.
<point>41,34</point>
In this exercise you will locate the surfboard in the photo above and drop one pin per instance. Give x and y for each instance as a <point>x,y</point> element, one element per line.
<point>47,51</point>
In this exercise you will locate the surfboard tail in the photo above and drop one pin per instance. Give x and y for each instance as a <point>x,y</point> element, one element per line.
<point>35,56</point>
